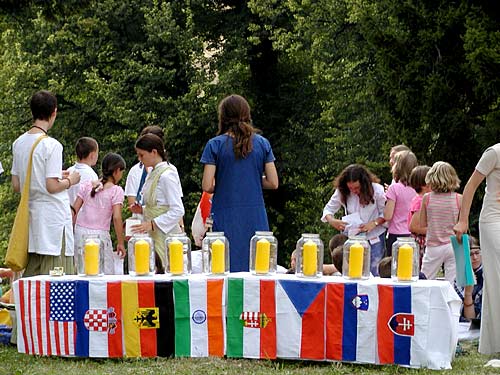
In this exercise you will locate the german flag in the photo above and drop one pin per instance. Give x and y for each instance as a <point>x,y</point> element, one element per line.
<point>148,318</point>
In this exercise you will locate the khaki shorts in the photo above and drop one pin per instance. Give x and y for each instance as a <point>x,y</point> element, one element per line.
<point>42,264</point>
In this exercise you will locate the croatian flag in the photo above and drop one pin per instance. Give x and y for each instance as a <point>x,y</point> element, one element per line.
<point>300,317</point>
<point>46,318</point>
<point>402,325</point>
<point>351,310</point>
<point>98,312</point>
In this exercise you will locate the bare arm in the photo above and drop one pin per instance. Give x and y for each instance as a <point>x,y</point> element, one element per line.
<point>470,189</point>
<point>415,226</point>
<point>118,225</point>
<point>389,209</point>
<point>208,181</point>
<point>423,211</point>
<point>270,179</point>
<point>16,185</point>
<point>56,185</point>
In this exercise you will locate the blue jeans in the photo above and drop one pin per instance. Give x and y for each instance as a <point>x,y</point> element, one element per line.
<point>376,254</point>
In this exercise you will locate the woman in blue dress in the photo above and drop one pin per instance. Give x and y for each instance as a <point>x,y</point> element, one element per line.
<point>238,164</point>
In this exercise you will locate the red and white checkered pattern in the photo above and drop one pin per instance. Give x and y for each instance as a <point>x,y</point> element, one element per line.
<point>96,320</point>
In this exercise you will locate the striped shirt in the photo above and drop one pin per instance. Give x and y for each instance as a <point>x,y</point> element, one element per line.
<point>442,214</point>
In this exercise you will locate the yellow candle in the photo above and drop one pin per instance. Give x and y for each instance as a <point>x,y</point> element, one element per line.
<point>91,256</point>
<point>218,257</point>
<point>176,257</point>
<point>262,255</point>
<point>405,263</point>
<point>309,259</point>
<point>356,253</point>
<point>141,252</point>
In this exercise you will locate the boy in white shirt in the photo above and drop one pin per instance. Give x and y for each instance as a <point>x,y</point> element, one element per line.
<point>87,152</point>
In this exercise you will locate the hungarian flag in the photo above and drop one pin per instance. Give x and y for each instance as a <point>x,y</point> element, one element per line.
<point>351,310</point>
<point>45,317</point>
<point>148,318</point>
<point>300,318</point>
<point>251,318</point>
<point>199,317</point>
<point>402,325</point>
<point>98,315</point>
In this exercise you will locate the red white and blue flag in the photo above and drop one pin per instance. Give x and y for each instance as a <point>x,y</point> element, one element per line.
<point>351,309</point>
<point>402,324</point>
<point>46,318</point>
<point>300,317</point>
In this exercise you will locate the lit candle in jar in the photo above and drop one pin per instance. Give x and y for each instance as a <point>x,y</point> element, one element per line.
<point>405,263</point>
<point>176,257</point>
<point>141,252</point>
<point>91,250</point>
<point>218,257</point>
<point>356,253</point>
<point>262,256</point>
<point>310,258</point>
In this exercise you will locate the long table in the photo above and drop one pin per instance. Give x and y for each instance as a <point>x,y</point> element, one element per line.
<point>240,315</point>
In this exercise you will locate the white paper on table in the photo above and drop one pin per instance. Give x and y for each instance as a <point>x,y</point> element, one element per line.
<point>353,223</point>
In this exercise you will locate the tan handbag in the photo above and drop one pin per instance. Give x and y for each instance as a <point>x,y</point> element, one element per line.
<point>16,257</point>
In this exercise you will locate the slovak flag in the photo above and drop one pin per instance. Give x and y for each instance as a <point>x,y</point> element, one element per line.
<point>300,317</point>
<point>403,325</point>
<point>351,309</point>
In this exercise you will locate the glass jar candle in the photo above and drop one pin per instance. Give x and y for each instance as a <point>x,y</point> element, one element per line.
<point>405,260</point>
<point>356,258</point>
<point>215,254</point>
<point>90,256</point>
<point>263,253</point>
<point>178,254</point>
<point>141,256</point>
<point>310,252</point>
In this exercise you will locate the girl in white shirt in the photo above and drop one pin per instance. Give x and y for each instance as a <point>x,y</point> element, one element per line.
<point>163,207</point>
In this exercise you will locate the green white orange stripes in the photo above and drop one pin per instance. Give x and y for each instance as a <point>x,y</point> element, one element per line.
<point>251,318</point>
<point>199,317</point>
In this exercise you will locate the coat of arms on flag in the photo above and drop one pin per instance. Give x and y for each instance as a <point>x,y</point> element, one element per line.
<point>147,318</point>
<point>361,302</point>
<point>100,320</point>
<point>252,319</point>
<point>402,324</point>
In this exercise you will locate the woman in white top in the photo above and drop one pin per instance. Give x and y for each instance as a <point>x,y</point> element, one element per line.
<point>489,226</point>
<point>358,191</point>
<point>162,192</point>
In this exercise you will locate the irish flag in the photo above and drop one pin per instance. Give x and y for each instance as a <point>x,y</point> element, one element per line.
<point>300,319</point>
<point>199,317</point>
<point>251,318</point>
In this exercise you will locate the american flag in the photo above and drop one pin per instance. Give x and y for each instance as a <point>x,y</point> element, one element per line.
<point>42,299</point>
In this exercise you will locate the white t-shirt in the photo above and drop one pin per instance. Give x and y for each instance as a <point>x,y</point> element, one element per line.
<point>50,214</point>
<point>1,168</point>
<point>86,174</point>
<point>134,179</point>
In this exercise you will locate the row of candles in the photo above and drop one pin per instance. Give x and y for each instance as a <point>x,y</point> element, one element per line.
<point>263,256</point>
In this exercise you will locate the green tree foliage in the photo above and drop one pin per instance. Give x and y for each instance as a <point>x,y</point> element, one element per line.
<point>330,82</point>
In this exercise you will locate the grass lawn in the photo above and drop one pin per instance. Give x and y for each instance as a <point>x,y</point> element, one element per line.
<point>13,363</point>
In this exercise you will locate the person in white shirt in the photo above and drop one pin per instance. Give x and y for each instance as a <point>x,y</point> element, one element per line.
<point>163,207</point>
<point>50,225</point>
<point>87,152</point>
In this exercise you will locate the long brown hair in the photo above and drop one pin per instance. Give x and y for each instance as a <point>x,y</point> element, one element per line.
<point>235,118</point>
<point>353,173</point>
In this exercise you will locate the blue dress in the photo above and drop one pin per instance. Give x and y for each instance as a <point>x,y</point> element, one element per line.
<point>238,207</point>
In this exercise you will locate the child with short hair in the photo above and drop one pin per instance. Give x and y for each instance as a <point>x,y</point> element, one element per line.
<point>98,205</point>
<point>87,153</point>
<point>439,213</point>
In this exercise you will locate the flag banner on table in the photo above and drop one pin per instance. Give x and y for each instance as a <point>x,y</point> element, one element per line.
<point>46,317</point>
<point>98,316</point>
<point>300,318</point>
<point>251,318</point>
<point>148,318</point>
<point>199,317</point>
<point>402,325</point>
<point>351,310</point>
